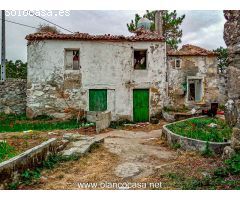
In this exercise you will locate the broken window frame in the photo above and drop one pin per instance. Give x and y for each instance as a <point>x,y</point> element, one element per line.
<point>66,62</point>
<point>146,55</point>
<point>201,95</point>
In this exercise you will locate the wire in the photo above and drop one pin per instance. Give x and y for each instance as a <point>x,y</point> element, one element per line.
<point>19,24</point>
<point>51,22</point>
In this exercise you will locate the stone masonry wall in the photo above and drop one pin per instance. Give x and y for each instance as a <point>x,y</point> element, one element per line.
<point>199,66</point>
<point>13,96</point>
<point>232,40</point>
<point>56,91</point>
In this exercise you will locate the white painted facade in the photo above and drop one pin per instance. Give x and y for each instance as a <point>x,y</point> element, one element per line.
<point>104,65</point>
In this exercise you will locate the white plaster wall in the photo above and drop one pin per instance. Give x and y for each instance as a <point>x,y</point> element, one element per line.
<point>104,65</point>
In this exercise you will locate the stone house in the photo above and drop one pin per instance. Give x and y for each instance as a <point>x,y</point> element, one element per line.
<point>193,77</point>
<point>134,77</point>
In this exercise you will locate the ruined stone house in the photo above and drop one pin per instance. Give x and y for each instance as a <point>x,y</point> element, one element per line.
<point>193,77</point>
<point>134,77</point>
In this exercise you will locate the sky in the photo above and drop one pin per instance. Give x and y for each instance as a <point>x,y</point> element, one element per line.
<point>201,28</point>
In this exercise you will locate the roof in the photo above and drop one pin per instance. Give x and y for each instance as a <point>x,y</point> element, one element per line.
<point>191,50</point>
<point>85,36</point>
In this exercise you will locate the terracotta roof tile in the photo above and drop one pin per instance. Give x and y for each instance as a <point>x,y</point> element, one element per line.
<point>85,36</point>
<point>191,50</point>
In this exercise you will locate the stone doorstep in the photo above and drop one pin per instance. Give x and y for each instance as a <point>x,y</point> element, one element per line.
<point>80,148</point>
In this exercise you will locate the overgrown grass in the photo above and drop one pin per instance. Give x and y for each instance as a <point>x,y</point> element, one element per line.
<point>31,177</point>
<point>225,177</point>
<point>198,128</point>
<point>6,151</point>
<point>16,123</point>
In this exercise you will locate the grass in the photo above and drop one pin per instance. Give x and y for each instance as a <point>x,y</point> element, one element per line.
<point>16,123</point>
<point>6,151</point>
<point>198,128</point>
<point>31,177</point>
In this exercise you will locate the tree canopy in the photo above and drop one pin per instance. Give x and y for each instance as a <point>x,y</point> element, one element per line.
<point>171,25</point>
<point>222,59</point>
<point>17,69</point>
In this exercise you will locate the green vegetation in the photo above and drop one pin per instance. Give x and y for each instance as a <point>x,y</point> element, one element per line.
<point>225,177</point>
<point>198,128</point>
<point>175,109</point>
<point>171,25</point>
<point>207,152</point>
<point>6,151</point>
<point>31,177</point>
<point>16,123</point>
<point>222,58</point>
<point>17,69</point>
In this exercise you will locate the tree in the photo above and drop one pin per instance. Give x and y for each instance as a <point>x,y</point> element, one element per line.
<point>222,59</point>
<point>171,26</point>
<point>47,28</point>
<point>16,69</point>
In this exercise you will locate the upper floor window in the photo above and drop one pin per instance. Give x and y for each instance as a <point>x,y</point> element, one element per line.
<point>72,59</point>
<point>177,63</point>
<point>140,59</point>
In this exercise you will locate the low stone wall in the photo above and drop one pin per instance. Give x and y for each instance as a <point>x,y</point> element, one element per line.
<point>192,144</point>
<point>11,169</point>
<point>13,96</point>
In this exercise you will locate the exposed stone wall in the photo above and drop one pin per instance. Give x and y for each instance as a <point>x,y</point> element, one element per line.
<point>232,40</point>
<point>13,96</point>
<point>204,67</point>
<point>55,91</point>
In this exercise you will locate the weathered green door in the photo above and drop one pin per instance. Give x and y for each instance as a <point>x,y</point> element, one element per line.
<point>141,105</point>
<point>97,100</point>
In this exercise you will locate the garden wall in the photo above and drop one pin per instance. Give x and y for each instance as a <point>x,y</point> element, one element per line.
<point>13,96</point>
<point>192,144</point>
<point>11,169</point>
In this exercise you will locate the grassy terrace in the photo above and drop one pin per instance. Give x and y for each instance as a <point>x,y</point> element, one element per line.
<point>198,128</point>
<point>17,123</point>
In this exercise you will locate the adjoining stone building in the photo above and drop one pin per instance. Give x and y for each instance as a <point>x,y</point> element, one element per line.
<point>133,77</point>
<point>193,77</point>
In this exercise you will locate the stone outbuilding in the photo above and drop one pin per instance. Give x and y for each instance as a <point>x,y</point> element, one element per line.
<point>193,77</point>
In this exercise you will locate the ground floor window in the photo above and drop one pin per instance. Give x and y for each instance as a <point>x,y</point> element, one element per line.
<point>97,99</point>
<point>194,89</point>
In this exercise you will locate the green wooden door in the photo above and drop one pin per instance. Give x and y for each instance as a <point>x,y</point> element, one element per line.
<point>97,100</point>
<point>141,105</point>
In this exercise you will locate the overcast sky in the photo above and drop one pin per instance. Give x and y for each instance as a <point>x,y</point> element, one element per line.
<point>202,28</point>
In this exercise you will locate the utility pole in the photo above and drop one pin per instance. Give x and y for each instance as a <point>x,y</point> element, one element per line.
<point>3,56</point>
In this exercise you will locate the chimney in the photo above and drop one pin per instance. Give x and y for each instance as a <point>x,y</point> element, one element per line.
<point>159,22</point>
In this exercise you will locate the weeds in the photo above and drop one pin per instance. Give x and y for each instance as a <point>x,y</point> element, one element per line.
<point>30,177</point>
<point>16,123</point>
<point>176,146</point>
<point>198,128</point>
<point>207,152</point>
<point>6,151</point>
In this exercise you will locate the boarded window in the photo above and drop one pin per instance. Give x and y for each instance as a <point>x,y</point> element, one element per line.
<point>140,59</point>
<point>72,59</point>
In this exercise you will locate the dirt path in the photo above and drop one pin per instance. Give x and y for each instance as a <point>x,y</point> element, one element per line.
<point>125,156</point>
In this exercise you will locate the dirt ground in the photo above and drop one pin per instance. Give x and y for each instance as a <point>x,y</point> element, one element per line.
<point>128,157</point>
